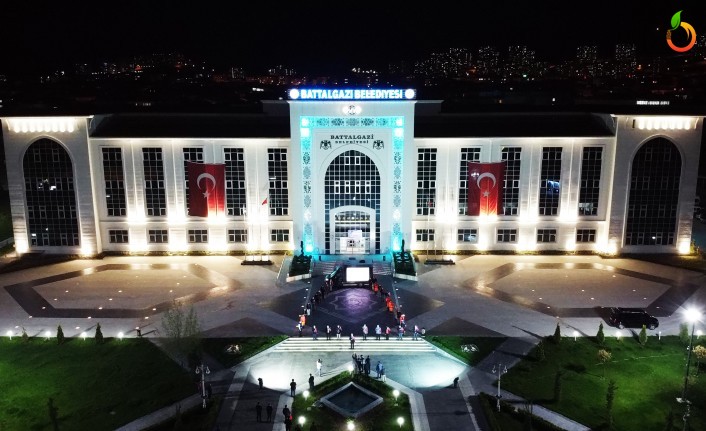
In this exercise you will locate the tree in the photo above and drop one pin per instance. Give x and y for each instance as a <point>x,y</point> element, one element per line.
<point>557,334</point>
<point>700,353</point>
<point>604,357</point>
<point>181,329</point>
<point>684,333</point>
<point>609,397</point>
<point>600,336</point>
<point>99,334</point>
<point>59,335</point>
<point>643,336</point>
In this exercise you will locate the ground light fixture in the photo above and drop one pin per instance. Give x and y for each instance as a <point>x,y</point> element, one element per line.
<point>302,419</point>
<point>84,335</point>
<point>576,335</point>
<point>350,426</point>
<point>396,393</point>
<point>9,334</point>
<point>120,335</point>
<point>47,334</point>
<point>400,421</point>
<point>350,369</point>
<point>618,334</point>
<point>306,395</point>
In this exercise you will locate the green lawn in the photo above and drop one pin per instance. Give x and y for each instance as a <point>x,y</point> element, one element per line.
<point>649,379</point>
<point>382,417</point>
<point>452,345</point>
<point>93,387</point>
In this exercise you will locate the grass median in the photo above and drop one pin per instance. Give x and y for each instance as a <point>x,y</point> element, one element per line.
<point>81,385</point>
<point>647,382</point>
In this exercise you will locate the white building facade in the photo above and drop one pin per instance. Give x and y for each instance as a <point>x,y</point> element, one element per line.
<point>339,174</point>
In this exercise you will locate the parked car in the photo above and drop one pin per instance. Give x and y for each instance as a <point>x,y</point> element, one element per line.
<point>632,318</point>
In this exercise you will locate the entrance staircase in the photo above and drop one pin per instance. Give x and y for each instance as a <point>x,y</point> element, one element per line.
<point>393,345</point>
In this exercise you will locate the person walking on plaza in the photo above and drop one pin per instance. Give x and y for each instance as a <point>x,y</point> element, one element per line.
<point>382,373</point>
<point>311,382</point>
<point>338,332</point>
<point>365,332</point>
<point>366,367</point>
<point>378,367</point>
<point>299,327</point>
<point>328,332</point>
<point>258,411</point>
<point>378,332</point>
<point>315,333</point>
<point>269,412</point>
<point>319,365</point>
<point>415,337</point>
<point>286,412</point>
<point>352,338</point>
<point>292,387</point>
<point>400,332</point>
<point>387,332</point>
<point>288,423</point>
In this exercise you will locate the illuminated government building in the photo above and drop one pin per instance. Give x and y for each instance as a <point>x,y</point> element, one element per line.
<point>352,171</point>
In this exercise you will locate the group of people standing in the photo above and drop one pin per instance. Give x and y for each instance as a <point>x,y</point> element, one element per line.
<point>362,366</point>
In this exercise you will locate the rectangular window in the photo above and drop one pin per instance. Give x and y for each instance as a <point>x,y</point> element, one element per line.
<point>546,235</point>
<point>278,198</point>
<point>467,235</point>
<point>155,193</point>
<point>507,235</point>
<point>238,235</point>
<point>114,179</point>
<point>236,200</point>
<point>550,181</point>
<point>194,155</point>
<point>585,235</point>
<point>589,192</point>
<point>279,235</point>
<point>198,236</point>
<point>511,184</point>
<point>118,236</point>
<point>425,234</point>
<point>467,155</point>
<point>158,236</point>
<point>426,181</point>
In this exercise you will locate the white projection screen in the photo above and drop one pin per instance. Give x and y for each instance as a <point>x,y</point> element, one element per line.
<point>357,274</point>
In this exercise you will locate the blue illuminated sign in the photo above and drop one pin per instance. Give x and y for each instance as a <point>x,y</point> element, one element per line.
<point>351,94</point>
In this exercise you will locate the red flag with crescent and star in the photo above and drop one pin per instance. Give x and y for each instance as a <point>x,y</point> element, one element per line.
<point>485,188</point>
<point>207,189</point>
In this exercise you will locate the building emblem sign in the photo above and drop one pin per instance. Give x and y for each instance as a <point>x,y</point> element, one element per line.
<point>351,139</point>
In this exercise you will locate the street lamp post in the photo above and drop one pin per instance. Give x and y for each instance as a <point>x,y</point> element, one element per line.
<point>692,315</point>
<point>500,370</point>
<point>203,370</point>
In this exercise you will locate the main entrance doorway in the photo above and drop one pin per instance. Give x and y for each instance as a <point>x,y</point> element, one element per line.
<point>352,232</point>
<point>352,204</point>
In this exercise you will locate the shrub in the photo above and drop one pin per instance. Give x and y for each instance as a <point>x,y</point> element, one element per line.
<point>643,336</point>
<point>59,335</point>
<point>539,351</point>
<point>25,337</point>
<point>99,334</point>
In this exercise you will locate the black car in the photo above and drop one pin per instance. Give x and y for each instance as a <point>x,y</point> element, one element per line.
<point>632,318</point>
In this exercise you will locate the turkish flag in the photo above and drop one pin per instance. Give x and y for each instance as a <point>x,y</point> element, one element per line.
<point>485,188</point>
<point>207,189</point>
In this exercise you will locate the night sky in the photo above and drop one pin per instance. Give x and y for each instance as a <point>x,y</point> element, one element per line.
<point>320,36</point>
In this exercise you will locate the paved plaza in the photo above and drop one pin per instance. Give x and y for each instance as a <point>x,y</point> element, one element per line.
<point>521,297</point>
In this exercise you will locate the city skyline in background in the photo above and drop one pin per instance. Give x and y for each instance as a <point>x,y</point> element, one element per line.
<point>325,38</point>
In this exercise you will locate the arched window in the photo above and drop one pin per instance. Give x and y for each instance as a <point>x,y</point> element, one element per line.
<point>352,179</point>
<point>654,194</point>
<point>52,218</point>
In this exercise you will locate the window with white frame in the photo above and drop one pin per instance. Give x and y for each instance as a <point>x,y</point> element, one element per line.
<point>585,235</point>
<point>279,235</point>
<point>158,236</point>
<point>238,235</point>
<point>507,235</point>
<point>198,236</point>
<point>546,235</point>
<point>425,234</point>
<point>467,235</point>
<point>118,236</point>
